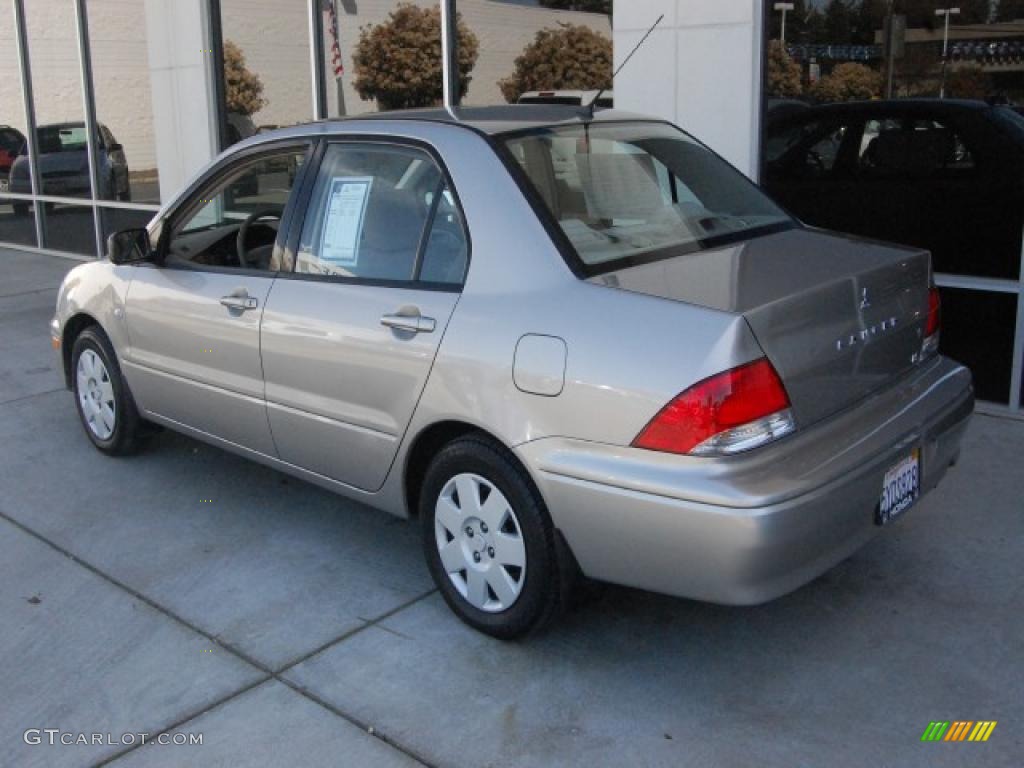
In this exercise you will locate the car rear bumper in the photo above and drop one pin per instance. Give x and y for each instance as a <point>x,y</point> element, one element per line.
<point>749,528</point>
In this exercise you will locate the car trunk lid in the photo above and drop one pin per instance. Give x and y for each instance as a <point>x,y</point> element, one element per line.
<point>838,317</point>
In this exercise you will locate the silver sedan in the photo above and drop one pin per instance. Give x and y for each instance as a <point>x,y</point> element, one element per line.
<point>569,344</point>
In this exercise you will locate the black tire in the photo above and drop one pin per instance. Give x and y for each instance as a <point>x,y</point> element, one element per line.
<point>127,428</point>
<point>545,581</point>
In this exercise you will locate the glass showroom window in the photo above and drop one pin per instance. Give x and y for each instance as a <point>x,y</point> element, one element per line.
<point>16,224</point>
<point>844,149</point>
<point>267,66</point>
<point>61,137</point>
<point>127,162</point>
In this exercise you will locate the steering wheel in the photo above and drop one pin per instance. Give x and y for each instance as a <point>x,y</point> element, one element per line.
<point>243,233</point>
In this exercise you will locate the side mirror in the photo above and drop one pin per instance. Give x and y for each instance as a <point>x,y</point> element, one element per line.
<point>129,246</point>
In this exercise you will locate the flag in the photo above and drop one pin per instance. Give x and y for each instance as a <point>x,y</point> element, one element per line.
<point>332,22</point>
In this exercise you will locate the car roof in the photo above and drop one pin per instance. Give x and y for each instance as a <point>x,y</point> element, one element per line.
<point>505,118</point>
<point>932,106</point>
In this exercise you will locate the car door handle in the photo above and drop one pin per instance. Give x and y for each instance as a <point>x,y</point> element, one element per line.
<point>240,302</point>
<point>409,323</point>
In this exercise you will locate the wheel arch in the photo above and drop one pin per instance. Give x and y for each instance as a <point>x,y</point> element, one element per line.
<point>72,330</point>
<point>427,443</point>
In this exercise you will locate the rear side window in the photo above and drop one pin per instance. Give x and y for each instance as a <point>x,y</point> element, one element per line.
<point>915,146</point>
<point>382,212</point>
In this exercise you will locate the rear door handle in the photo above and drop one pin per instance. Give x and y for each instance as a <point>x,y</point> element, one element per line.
<point>409,323</point>
<point>241,303</point>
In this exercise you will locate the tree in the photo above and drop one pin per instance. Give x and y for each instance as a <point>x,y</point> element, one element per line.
<point>398,62</point>
<point>591,6</point>
<point>243,89</point>
<point>848,82</point>
<point>869,18</point>
<point>783,73</point>
<point>1009,10</point>
<point>571,57</point>
<point>839,20</point>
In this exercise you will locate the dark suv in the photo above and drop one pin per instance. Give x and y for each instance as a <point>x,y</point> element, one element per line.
<point>943,175</point>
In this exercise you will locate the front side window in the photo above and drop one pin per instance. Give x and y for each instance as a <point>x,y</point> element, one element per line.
<point>234,222</point>
<point>625,190</point>
<point>382,212</point>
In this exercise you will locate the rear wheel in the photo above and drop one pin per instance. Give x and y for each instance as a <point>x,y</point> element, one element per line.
<point>489,542</point>
<point>104,402</point>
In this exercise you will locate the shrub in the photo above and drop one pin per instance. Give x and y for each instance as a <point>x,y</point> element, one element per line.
<point>398,62</point>
<point>848,82</point>
<point>243,89</point>
<point>783,73</point>
<point>571,57</point>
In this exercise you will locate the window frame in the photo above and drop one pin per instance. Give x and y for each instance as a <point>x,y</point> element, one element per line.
<point>188,203</point>
<point>304,200</point>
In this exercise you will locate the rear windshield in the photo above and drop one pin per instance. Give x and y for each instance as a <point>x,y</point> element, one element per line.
<point>61,138</point>
<point>636,191</point>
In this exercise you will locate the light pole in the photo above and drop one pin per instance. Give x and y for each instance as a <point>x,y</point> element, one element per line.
<point>947,12</point>
<point>785,8</point>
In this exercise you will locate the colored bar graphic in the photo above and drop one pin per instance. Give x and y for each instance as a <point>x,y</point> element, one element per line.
<point>959,730</point>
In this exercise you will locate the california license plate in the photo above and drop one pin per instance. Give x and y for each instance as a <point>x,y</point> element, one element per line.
<point>900,488</point>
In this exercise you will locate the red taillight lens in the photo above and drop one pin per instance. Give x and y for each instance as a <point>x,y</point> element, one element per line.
<point>934,323</point>
<point>722,404</point>
<point>932,326</point>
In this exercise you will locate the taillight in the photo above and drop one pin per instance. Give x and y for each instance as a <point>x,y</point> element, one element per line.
<point>728,413</point>
<point>933,325</point>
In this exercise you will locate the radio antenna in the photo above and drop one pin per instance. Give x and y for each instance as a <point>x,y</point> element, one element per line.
<point>593,104</point>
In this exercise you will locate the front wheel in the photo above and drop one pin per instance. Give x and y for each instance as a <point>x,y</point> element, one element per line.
<point>105,403</point>
<point>489,542</point>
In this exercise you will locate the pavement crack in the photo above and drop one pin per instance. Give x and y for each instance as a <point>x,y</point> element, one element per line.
<point>182,721</point>
<point>30,397</point>
<point>268,673</point>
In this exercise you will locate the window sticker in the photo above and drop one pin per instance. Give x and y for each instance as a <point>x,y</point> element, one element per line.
<point>343,225</point>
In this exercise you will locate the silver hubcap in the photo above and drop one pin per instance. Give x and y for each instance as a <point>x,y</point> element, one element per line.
<point>480,543</point>
<point>96,395</point>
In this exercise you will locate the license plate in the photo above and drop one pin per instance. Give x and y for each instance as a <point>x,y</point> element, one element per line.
<point>900,488</point>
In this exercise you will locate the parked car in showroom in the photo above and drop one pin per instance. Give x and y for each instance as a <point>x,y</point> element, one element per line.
<point>11,142</point>
<point>64,165</point>
<point>642,370</point>
<point>944,175</point>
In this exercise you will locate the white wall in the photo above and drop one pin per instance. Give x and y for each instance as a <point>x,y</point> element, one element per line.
<point>182,90</point>
<point>701,69</point>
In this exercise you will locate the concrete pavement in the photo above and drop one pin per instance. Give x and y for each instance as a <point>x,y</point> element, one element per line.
<point>289,626</point>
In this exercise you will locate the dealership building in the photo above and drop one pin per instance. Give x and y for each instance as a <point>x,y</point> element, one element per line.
<point>151,74</point>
